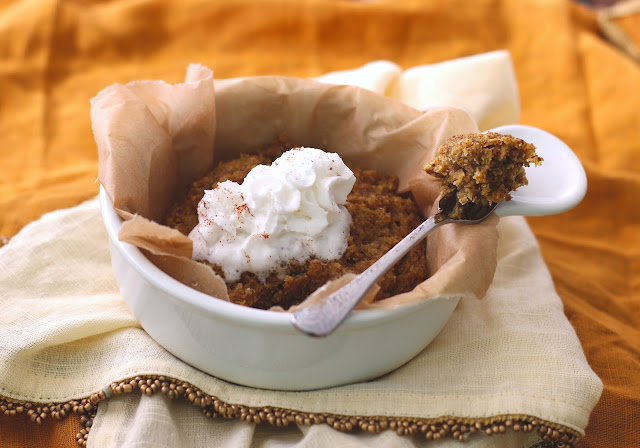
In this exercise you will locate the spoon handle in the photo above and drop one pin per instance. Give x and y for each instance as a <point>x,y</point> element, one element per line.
<point>324,317</point>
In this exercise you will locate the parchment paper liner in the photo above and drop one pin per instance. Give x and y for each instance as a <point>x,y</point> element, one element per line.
<point>155,138</point>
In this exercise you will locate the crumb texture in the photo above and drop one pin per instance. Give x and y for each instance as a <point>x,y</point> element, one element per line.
<point>481,169</point>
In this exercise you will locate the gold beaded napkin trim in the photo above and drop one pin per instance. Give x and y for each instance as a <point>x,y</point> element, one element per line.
<point>552,435</point>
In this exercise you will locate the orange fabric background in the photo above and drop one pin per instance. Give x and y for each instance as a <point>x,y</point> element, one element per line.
<point>57,54</point>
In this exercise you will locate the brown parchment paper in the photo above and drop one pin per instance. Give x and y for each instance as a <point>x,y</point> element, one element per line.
<point>154,138</point>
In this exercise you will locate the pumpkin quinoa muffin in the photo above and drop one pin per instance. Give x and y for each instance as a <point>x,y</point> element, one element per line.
<point>479,170</point>
<point>380,218</point>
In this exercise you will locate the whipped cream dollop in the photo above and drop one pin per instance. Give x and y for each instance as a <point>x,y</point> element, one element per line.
<point>290,210</point>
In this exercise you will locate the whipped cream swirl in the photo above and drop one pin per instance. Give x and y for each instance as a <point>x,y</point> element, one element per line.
<point>290,210</point>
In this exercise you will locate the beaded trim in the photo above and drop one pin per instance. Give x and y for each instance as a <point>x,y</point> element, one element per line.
<point>552,435</point>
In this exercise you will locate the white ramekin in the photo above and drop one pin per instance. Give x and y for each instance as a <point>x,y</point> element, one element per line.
<point>260,348</point>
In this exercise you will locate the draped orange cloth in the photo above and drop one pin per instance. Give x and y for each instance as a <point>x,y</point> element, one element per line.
<point>57,54</point>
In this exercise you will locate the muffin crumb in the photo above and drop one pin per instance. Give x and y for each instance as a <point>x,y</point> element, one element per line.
<point>480,170</point>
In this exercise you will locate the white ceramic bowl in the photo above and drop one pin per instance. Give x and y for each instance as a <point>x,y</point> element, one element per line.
<point>260,348</point>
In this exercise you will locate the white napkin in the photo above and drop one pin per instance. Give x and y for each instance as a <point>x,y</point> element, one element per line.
<point>483,85</point>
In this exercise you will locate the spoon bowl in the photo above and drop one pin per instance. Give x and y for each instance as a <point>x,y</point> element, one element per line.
<point>558,185</point>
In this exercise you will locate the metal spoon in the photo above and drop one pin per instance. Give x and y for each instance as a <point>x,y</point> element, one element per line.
<point>555,187</point>
<point>322,318</point>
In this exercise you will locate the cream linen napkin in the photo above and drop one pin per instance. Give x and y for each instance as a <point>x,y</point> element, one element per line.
<point>157,422</point>
<point>67,334</point>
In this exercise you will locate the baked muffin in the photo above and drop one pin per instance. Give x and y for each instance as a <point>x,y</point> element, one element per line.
<point>380,218</point>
